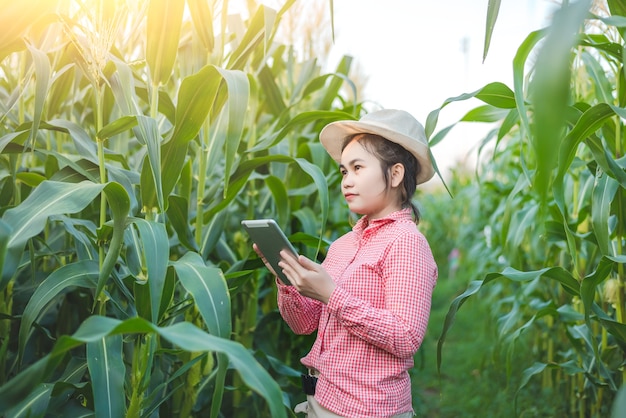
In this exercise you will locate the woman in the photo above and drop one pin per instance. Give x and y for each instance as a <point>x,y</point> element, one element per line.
<point>369,301</point>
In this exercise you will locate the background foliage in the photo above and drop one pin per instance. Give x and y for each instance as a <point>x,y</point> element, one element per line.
<point>135,137</point>
<point>547,215</point>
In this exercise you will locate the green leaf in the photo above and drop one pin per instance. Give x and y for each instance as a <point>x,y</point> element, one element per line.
<point>486,114</point>
<point>42,72</point>
<point>322,189</point>
<point>178,217</point>
<point>82,273</point>
<point>36,404</point>
<point>184,335</point>
<point>202,18</point>
<point>208,288</point>
<point>82,141</point>
<point>535,369</point>
<point>619,403</point>
<point>602,85</point>
<point>472,288</point>
<point>332,90</point>
<point>495,94</point>
<point>588,123</point>
<point>5,234</point>
<point>274,101</point>
<point>492,15</point>
<point>281,198</point>
<point>239,179</point>
<point>163,34</point>
<point>147,134</point>
<point>123,87</point>
<point>258,29</point>
<point>29,218</point>
<point>213,233</point>
<point>195,99</point>
<point>563,277</point>
<point>107,372</point>
<point>604,191</point>
<point>519,64</point>
<point>119,205</point>
<point>298,121</point>
<point>237,108</point>
<point>117,127</point>
<point>498,95</point>
<point>155,251</point>
<point>591,282</point>
<point>550,87</point>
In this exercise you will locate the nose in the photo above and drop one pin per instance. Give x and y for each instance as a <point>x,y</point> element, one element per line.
<point>346,181</point>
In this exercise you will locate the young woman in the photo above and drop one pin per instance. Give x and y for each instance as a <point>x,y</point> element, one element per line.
<point>369,301</point>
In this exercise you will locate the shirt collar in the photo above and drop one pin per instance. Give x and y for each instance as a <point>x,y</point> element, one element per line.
<point>364,223</point>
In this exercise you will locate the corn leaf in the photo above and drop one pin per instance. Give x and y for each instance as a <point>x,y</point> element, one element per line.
<point>195,99</point>
<point>259,27</point>
<point>208,288</point>
<point>549,90</point>
<point>281,199</point>
<point>492,15</point>
<point>119,205</point>
<point>178,217</point>
<point>236,110</point>
<point>42,72</point>
<point>184,335</point>
<point>155,253</point>
<point>29,218</point>
<point>107,372</point>
<point>163,34</point>
<point>147,133</point>
<point>604,191</point>
<point>82,274</point>
<point>202,18</point>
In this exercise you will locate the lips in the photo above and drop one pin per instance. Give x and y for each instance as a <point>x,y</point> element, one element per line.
<point>349,196</point>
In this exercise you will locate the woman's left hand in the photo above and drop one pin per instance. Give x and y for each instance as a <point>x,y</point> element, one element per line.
<point>308,277</point>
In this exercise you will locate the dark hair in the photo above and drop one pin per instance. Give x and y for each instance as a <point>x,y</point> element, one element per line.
<point>389,153</point>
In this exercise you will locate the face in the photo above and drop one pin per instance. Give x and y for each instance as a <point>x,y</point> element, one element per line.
<point>363,184</point>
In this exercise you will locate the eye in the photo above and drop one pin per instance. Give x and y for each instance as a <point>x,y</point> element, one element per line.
<point>357,167</point>
<point>343,172</point>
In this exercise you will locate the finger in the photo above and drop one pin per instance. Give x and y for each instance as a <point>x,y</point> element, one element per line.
<point>307,263</point>
<point>288,259</point>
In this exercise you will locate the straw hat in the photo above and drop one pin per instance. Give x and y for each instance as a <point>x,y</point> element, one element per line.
<point>395,125</point>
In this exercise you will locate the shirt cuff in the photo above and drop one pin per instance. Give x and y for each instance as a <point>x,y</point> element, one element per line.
<point>284,288</point>
<point>337,299</point>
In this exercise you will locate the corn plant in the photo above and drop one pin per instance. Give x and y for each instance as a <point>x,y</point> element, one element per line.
<point>134,138</point>
<point>553,197</point>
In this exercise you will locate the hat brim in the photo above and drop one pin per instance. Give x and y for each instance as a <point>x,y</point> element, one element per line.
<point>334,135</point>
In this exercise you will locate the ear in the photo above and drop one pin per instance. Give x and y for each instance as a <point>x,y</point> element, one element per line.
<point>397,174</point>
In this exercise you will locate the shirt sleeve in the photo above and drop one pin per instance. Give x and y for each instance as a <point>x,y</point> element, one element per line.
<point>302,314</point>
<point>409,275</point>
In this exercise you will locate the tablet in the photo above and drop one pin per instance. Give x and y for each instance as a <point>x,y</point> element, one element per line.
<point>271,240</point>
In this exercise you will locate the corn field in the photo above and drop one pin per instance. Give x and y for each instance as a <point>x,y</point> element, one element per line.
<point>135,136</point>
<point>550,208</point>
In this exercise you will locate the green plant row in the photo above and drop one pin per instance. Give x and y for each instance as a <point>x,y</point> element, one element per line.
<point>550,199</point>
<point>134,138</point>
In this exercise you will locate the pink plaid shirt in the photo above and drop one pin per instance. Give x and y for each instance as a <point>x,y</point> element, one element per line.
<point>375,319</point>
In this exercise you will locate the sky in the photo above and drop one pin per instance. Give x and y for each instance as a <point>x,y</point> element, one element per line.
<point>418,53</point>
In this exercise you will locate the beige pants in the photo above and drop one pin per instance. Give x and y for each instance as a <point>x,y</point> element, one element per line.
<point>313,409</point>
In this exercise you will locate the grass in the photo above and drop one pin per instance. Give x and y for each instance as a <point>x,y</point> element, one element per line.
<point>473,380</point>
